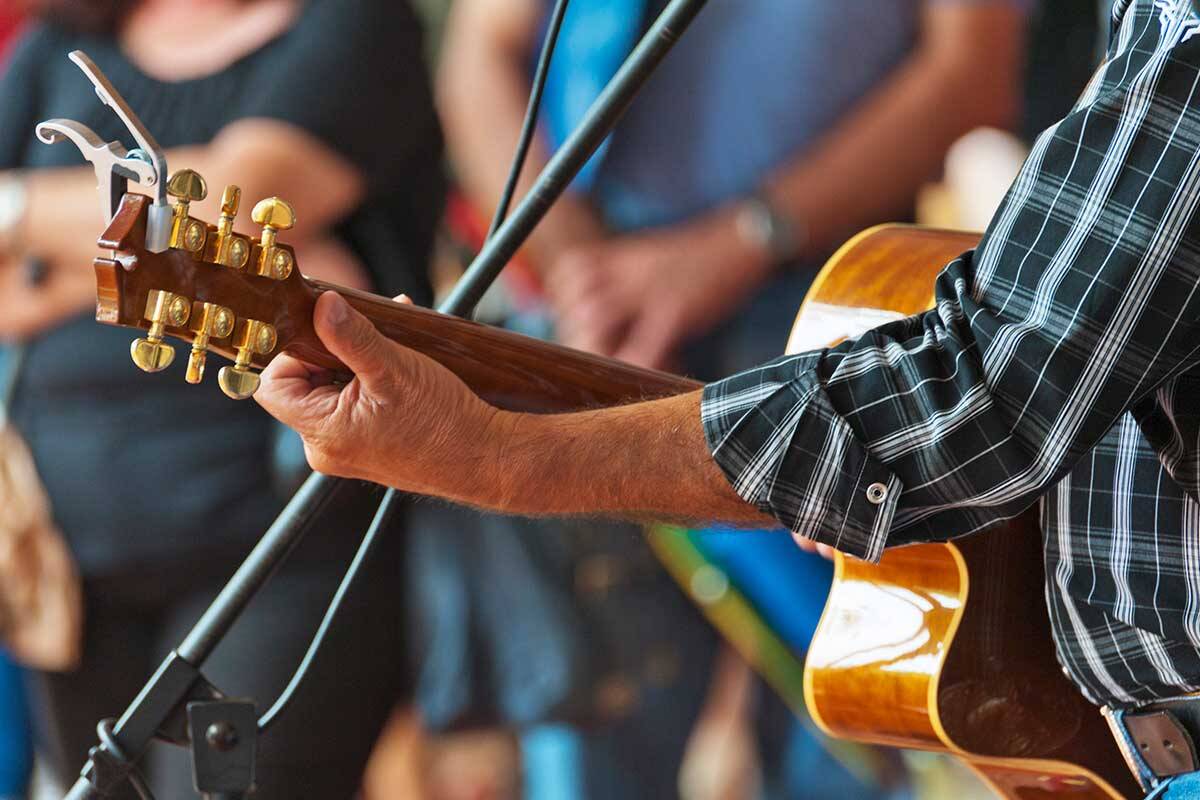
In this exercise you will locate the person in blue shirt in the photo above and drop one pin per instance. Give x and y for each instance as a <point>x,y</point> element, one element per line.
<point>774,130</point>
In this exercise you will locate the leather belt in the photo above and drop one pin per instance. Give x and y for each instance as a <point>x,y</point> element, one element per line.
<point>1164,735</point>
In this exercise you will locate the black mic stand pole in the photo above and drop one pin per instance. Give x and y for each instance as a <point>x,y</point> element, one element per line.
<point>178,704</point>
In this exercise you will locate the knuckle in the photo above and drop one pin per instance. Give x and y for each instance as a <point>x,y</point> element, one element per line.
<point>316,458</point>
<point>324,454</point>
<point>333,451</point>
<point>362,339</point>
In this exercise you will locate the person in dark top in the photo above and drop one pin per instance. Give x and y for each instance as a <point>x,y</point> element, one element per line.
<point>161,487</point>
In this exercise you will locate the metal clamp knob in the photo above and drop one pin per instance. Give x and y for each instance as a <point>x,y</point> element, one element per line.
<point>151,354</point>
<point>274,215</point>
<point>250,339</point>
<point>187,186</point>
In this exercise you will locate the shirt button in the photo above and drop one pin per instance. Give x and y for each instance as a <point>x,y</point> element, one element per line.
<point>877,493</point>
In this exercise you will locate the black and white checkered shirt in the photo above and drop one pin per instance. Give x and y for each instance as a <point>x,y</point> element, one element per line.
<point>1061,363</point>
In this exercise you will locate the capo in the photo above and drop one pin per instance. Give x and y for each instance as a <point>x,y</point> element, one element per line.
<point>114,165</point>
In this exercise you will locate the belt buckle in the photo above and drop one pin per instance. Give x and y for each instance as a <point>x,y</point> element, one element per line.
<point>1118,733</point>
<point>1161,740</point>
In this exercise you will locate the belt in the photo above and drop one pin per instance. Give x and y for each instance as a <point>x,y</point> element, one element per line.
<point>1160,737</point>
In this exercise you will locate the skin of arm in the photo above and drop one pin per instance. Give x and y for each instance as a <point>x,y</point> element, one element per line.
<point>407,422</point>
<point>62,221</point>
<point>637,296</point>
<point>482,89</point>
<point>896,139</point>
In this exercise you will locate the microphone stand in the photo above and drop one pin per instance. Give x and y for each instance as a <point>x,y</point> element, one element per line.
<point>177,704</point>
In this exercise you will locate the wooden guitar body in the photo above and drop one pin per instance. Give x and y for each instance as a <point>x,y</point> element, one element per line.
<point>946,646</point>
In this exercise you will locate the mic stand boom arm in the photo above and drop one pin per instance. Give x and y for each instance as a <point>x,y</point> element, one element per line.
<point>160,708</point>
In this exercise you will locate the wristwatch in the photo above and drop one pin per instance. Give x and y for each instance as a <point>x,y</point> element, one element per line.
<point>13,203</point>
<point>762,225</point>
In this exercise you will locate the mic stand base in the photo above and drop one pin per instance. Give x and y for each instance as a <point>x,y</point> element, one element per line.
<point>224,735</point>
<point>159,712</point>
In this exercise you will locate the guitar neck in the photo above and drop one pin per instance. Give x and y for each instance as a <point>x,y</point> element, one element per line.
<point>509,370</point>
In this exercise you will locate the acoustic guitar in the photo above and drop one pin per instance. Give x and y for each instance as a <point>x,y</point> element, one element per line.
<point>941,647</point>
<point>945,647</point>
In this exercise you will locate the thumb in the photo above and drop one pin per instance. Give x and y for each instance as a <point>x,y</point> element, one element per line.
<point>352,338</point>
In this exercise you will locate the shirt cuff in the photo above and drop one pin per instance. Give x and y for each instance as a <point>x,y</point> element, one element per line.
<point>785,449</point>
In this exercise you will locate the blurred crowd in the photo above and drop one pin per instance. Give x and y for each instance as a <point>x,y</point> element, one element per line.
<point>477,657</point>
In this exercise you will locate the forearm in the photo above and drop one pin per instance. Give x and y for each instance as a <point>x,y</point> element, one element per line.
<point>62,220</point>
<point>871,164</point>
<point>27,307</point>
<point>645,460</point>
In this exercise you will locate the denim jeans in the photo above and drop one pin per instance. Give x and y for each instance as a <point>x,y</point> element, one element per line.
<point>1178,787</point>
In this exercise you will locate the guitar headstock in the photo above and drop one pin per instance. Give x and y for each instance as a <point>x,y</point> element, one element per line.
<point>172,274</point>
<point>217,289</point>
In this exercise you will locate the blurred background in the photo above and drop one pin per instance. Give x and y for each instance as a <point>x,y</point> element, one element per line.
<point>478,657</point>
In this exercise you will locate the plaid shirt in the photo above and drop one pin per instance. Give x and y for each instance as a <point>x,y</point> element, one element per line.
<point>1061,363</point>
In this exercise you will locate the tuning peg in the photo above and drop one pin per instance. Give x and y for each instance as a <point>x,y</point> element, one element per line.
<point>209,321</point>
<point>231,250</point>
<point>231,201</point>
<point>274,215</point>
<point>187,186</point>
<point>151,354</point>
<point>250,338</point>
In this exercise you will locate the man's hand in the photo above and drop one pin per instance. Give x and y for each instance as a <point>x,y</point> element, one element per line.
<point>404,421</point>
<point>638,297</point>
<point>407,422</point>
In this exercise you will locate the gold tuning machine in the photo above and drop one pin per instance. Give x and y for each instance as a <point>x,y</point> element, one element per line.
<point>151,354</point>
<point>231,250</point>
<point>250,338</point>
<point>274,215</point>
<point>187,186</point>
<point>209,321</point>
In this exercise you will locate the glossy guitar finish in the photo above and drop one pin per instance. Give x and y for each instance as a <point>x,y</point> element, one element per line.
<point>947,646</point>
<point>514,372</point>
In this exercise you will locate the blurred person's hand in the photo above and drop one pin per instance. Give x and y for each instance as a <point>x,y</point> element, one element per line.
<point>810,546</point>
<point>638,297</point>
<point>30,305</point>
<point>480,764</point>
<point>722,761</point>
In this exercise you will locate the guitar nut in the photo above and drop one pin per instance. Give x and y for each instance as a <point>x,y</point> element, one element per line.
<point>877,493</point>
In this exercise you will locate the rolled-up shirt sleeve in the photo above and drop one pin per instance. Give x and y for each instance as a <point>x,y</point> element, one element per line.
<point>785,449</point>
<point>1081,299</point>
